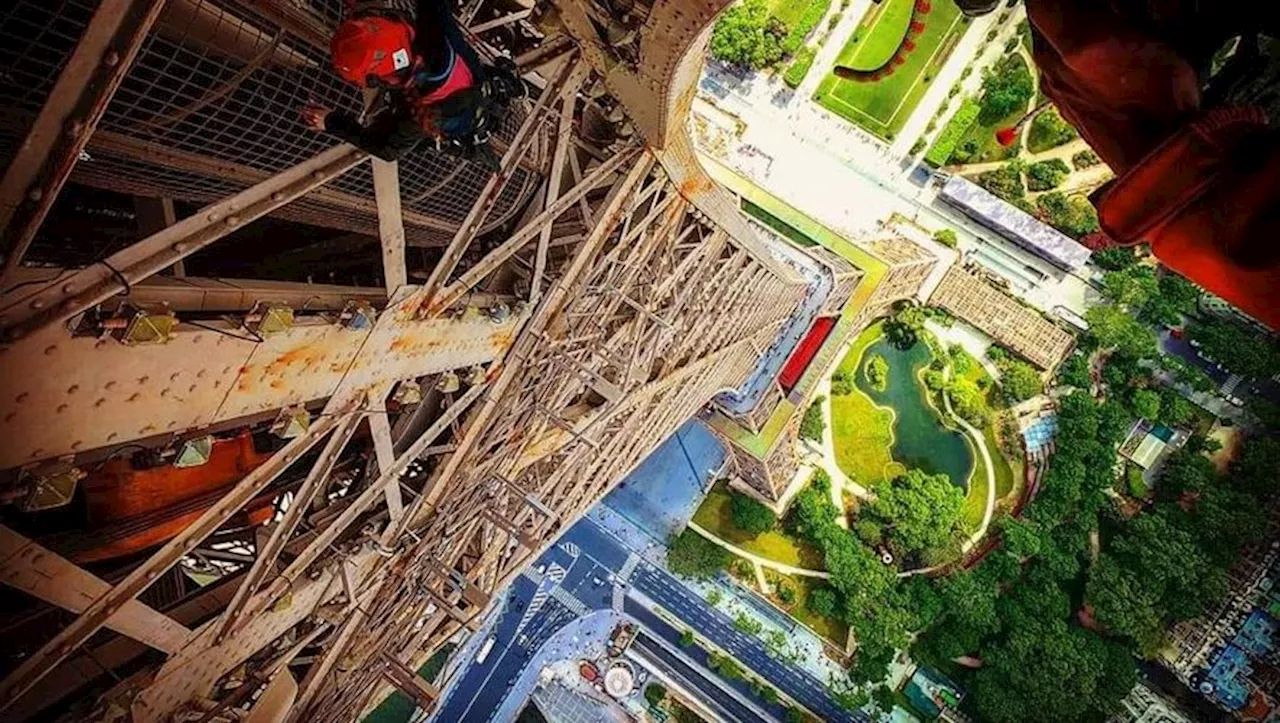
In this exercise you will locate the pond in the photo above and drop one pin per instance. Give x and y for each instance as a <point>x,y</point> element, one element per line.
<point>920,440</point>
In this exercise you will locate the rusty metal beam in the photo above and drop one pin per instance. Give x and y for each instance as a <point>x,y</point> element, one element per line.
<point>480,208</point>
<point>43,661</point>
<point>94,284</point>
<point>55,140</point>
<point>541,223</point>
<point>42,573</point>
<point>386,187</point>
<point>265,563</point>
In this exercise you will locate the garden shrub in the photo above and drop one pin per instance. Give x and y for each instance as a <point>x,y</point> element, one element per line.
<point>945,144</point>
<point>1047,175</point>
<point>805,25</point>
<point>1005,182</point>
<point>1085,159</point>
<point>799,67</point>
<point>1048,130</point>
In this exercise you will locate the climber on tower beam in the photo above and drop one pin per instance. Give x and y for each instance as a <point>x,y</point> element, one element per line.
<point>433,84</point>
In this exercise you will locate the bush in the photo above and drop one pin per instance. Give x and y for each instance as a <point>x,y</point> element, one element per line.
<point>1047,175</point>
<point>1019,380</point>
<point>750,515</point>
<point>1085,159</point>
<point>877,372</point>
<point>686,639</point>
<point>991,36</point>
<point>945,144</point>
<point>1005,182</point>
<point>1048,130</point>
<point>714,597</point>
<point>1138,488</point>
<point>725,666</point>
<point>968,71</point>
<point>946,237</point>
<point>1010,44</point>
<point>932,125</point>
<point>812,423</point>
<point>655,694</point>
<point>808,21</point>
<point>692,555</point>
<point>799,67</point>
<point>841,383</point>
<point>833,22</point>
<point>823,602</point>
<point>1073,216</point>
<point>917,147</point>
<point>786,592</point>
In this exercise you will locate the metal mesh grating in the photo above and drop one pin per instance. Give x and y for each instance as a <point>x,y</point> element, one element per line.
<point>214,81</point>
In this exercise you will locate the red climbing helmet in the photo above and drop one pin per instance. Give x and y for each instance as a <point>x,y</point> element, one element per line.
<point>372,50</point>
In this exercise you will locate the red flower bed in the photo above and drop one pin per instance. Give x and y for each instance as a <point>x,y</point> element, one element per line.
<point>916,27</point>
<point>899,60</point>
<point>923,7</point>
<point>909,45</point>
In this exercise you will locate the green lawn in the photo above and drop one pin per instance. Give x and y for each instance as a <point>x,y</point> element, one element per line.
<point>861,431</point>
<point>789,11</point>
<point>878,35</point>
<point>716,516</point>
<point>1004,471</point>
<point>832,629</point>
<point>882,107</point>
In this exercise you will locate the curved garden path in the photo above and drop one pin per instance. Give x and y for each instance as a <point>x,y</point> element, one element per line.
<point>756,559</point>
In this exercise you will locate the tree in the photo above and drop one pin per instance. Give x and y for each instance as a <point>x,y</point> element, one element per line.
<point>1146,404</point>
<point>1237,347</point>
<point>1019,380</point>
<point>794,715</point>
<point>786,592</point>
<point>1131,287</point>
<point>1114,328</point>
<point>1073,216</point>
<point>751,515</point>
<point>882,696</point>
<point>823,602</point>
<point>1115,258</point>
<point>841,383</point>
<point>686,639</point>
<point>692,555</point>
<point>1005,182</point>
<point>725,666</point>
<point>1047,175</point>
<point>967,400</point>
<point>877,372</point>
<point>812,423</point>
<point>1175,410</point>
<point>946,237</point>
<point>904,327</point>
<point>1048,130</point>
<point>918,511</point>
<point>746,35</point>
<point>1005,90</point>
<point>1075,372</point>
<point>655,694</point>
<point>714,597</point>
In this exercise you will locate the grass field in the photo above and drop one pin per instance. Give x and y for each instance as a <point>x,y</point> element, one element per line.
<point>882,107</point>
<point>861,431</point>
<point>716,516</point>
<point>789,11</point>
<point>880,33</point>
<point>1004,471</point>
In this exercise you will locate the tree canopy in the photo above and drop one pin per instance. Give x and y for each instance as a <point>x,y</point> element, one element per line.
<point>904,327</point>
<point>1075,372</point>
<point>1114,327</point>
<point>748,36</point>
<point>1019,380</point>
<point>877,371</point>
<point>692,555</point>
<point>751,515</point>
<point>1237,347</point>
<point>1006,89</point>
<point>919,512</point>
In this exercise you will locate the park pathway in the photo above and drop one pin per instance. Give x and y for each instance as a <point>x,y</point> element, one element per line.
<point>756,559</point>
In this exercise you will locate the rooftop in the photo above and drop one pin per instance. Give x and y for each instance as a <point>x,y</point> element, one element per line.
<point>1019,327</point>
<point>1014,223</point>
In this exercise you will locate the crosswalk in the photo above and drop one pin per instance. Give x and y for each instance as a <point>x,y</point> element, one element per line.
<point>555,573</point>
<point>618,596</point>
<point>1229,386</point>
<point>628,567</point>
<point>563,597</point>
<point>571,548</point>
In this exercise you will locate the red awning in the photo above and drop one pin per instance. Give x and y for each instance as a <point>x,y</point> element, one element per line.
<point>805,351</point>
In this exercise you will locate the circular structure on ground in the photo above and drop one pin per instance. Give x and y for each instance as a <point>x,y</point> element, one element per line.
<point>619,680</point>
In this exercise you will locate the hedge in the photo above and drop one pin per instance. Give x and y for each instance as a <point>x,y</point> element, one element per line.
<point>799,67</point>
<point>805,25</point>
<point>945,144</point>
